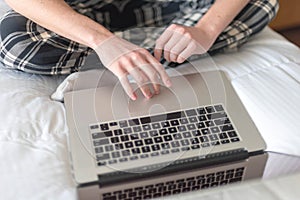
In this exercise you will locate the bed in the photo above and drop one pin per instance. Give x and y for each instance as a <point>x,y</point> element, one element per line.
<point>33,134</point>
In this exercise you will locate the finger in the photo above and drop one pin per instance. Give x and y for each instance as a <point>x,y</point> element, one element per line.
<point>186,53</point>
<point>119,70</point>
<point>137,60</point>
<point>161,71</point>
<point>153,75</point>
<point>142,81</point>
<point>127,87</point>
<point>158,52</point>
<point>179,48</point>
<point>160,43</point>
<point>169,46</point>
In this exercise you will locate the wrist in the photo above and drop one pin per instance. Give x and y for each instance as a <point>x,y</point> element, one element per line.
<point>97,37</point>
<point>210,29</point>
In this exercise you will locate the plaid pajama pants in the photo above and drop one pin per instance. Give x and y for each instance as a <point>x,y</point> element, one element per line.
<point>29,47</point>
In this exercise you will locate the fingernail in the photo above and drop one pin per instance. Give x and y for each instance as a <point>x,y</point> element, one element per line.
<point>149,95</point>
<point>133,97</point>
<point>168,83</point>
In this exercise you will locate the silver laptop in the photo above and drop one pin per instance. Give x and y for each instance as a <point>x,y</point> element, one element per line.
<point>181,182</point>
<point>198,122</point>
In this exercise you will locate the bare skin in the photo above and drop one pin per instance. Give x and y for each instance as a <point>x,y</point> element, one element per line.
<point>131,59</point>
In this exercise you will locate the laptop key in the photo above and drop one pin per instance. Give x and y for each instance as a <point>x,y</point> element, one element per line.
<point>172,130</point>
<point>222,121</point>
<point>104,156</point>
<point>209,109</point>
<point>124,138</point>
<point>185,142</point>
<point>146,127</point>
<point>134,122</point>
<point>113,124</point>
<point>153,133</point>
<point>226,127</point>
<point>202,118</point>
<point>156,126</point>
<point>163,131</point>
<point>146,149</point>
<point>187,135</point>
<point>138,143</point>
<point>94,127</point>
<point>235,140</point>
<point>232,134</point>
<point>137,129</point>
<point>99,150</point>
<point>115,154</point>
<point>223,136</point>
<point>195,146</point>
<point>109,148</point>
<point>191,126</point>
<point>123,124</point>
<point>148,141</point>
<point>216,115</point>
<point>98,135</point>
<point>118,132</point>
<point>225,141</point>
<point>184,121</point>
<point>108,133</point>
<point>104,127</point>
<point>193,120</point>
<point>114,139</point>
<point>175,150</point>
<point>201,111</point>
<point>128,144</point>
<point>144,135</point>
<point>165,146</point>
<point>175,115</point>
<point>167,138</point>
<point>165,124</point>
<point>127,130</point>
<point>155,147</point>
<point>181,128</point>
<point>154,154</point>
<point>213,137</point>
<point>123,159</point>
<point>125,153</point>
<point>174,122</point>
<point>191,112</point>
<point>175,144</point>
<point>134,158</point>
<point>158,139</point>
<point>101,142</point>
<point>219,108</point>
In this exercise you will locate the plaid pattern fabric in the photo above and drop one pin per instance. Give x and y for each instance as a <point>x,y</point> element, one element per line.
<point>31,48</point>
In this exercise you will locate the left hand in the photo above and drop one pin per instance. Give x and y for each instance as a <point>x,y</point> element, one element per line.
<point>178,43</point>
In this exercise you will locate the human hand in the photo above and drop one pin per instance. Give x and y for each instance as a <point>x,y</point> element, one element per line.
<point>178,43</point>
<point>124,58</point>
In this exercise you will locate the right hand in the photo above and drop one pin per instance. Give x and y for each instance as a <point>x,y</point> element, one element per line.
<point>124,58</point>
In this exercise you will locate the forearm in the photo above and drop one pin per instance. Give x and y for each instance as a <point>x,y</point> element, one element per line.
<point>60,18</point>
<point>219,16</point>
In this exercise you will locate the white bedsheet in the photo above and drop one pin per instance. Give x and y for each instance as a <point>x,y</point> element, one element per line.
<point>34,158</point>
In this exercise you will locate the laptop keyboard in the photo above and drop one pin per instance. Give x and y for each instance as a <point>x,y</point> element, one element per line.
<point>178,186</point>
<point>151,136</point>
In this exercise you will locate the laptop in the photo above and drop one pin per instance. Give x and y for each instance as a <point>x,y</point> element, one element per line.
<point>198,122</point>
<point>173,185</point>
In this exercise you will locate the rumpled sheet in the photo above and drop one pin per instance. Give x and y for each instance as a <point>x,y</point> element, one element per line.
<point>33,133</point>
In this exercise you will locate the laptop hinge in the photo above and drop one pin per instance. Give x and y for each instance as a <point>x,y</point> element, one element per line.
<point>179,165</point>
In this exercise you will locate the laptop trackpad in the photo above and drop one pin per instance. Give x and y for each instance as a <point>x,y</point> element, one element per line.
<point>186,92</point>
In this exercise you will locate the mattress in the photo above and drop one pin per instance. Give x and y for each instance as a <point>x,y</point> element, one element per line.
<point>265,73</point>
